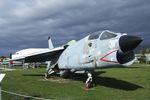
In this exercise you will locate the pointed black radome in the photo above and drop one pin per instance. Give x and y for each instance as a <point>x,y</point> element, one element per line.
<point>129,43</point>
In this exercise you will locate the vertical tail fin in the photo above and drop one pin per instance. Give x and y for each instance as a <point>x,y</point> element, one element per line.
<point>10,56</point>
<point>50,44</point>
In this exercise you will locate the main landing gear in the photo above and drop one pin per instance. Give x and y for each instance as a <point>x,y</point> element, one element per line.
<point>48,73</point>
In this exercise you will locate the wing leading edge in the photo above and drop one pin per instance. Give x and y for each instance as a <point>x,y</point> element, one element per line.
<point>46,55</point>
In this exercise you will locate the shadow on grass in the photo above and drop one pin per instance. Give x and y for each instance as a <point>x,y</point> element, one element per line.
<point>108,82</point>
<point>115,83</point>
<point>34,75</point>
<point>37,75</point>
<point>100,81</point>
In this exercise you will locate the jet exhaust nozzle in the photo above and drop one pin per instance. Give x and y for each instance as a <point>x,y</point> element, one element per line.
<point>129,43</point>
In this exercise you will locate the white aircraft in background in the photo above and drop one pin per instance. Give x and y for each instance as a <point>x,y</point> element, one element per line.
<point>97,50</point>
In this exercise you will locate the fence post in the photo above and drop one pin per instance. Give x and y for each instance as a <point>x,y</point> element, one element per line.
<point>1,78</point>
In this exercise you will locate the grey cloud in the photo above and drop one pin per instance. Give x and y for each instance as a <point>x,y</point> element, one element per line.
<point>28,23</point>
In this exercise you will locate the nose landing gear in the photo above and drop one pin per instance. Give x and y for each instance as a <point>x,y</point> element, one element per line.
<point>88,81</point>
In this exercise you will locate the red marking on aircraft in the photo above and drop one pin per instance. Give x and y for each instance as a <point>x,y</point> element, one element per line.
<point>106,60</point>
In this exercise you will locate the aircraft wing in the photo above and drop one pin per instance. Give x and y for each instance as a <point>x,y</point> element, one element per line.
<point>42,56</point>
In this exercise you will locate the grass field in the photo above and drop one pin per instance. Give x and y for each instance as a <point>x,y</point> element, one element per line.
<point>132,83</point>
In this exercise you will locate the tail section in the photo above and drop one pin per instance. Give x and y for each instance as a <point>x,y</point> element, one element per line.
<point>10,56</point>
<point>49,69</point>
<point>50,44</point>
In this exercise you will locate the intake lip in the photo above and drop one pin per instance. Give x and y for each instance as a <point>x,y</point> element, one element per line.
<point>129,43</point>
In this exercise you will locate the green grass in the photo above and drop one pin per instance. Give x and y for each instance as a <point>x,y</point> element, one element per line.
<point>132,83</point>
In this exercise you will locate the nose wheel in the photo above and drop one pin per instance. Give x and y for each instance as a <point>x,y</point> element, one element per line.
<point>88,81</point>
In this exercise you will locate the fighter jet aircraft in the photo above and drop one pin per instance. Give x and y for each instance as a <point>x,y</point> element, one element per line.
<point>97,50</point>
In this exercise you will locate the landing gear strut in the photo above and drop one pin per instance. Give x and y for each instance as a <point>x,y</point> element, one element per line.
<point>88,81</point>
<point>48,73</point>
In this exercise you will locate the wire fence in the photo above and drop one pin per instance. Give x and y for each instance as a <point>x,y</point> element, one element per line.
<point>24,96</point>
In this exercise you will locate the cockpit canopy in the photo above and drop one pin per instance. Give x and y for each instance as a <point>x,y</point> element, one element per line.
<point>94,35</point>
<point>102,34</point>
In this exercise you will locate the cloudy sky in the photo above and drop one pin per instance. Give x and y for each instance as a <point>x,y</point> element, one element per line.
<point>28,23</point>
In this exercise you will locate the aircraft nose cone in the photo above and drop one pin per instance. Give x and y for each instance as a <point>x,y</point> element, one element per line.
<point>129,43</point>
